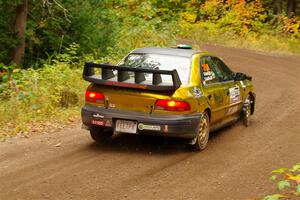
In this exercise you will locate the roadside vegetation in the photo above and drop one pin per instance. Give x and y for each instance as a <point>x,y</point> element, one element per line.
<point>287,182</point>
<point>41,63</point>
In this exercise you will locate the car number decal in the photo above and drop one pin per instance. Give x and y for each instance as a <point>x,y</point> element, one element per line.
<point>234,95</point>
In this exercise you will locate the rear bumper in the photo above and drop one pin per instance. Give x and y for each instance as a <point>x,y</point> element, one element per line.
<point>181,126</point>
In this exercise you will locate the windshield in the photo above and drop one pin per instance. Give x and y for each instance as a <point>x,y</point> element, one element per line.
<point>162,62</point>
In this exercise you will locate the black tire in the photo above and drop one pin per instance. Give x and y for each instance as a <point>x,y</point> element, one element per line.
<point>246,113</point>
<point>200,142</point>
<point>100,134</point>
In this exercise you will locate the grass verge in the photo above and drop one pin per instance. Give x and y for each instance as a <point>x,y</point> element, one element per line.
<point>38,100</point>
<point>265,41</point>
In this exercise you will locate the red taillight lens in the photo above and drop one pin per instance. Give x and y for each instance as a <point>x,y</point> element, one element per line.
<point>172,105</point>
<point>92,96</point>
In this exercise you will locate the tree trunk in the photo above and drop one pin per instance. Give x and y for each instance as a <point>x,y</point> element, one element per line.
<point>291,8</point>
<point>279,7</point>
<point>20,27</point>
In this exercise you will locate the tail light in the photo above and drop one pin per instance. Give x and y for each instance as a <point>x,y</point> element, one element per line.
<point>92,96</point>
<point>172,105</point>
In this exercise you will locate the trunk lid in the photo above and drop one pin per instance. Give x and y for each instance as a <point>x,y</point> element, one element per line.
<point>129,99</point>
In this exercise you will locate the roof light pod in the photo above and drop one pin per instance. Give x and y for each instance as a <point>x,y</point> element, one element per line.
<point>184,46</point>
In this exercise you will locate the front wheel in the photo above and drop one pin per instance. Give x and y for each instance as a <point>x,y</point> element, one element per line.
<point>199,143</point>
<point>101,134</point>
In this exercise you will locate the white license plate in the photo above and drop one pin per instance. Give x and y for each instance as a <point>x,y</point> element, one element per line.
<point>126,126</point>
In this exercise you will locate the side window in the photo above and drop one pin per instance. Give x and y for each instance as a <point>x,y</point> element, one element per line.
<point>208,73</point>
<point>224,73</point>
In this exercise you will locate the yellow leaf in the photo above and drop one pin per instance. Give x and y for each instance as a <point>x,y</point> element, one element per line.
<point>281,170</point>
<point>294,177</point>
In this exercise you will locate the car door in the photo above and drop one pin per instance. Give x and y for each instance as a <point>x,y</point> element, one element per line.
<point>233,103</point>
<point>214,89</point>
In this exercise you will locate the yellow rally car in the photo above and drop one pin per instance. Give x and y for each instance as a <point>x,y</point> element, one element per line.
<point>171,92</point>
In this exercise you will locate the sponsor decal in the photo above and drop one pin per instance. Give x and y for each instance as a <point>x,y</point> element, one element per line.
<point>108,123</point>
<point>234,95</point>
<point>232,110</point>
<point>142,126</point>
<point>98,122</point>
<point>98,116</point>
<point>197,92</point>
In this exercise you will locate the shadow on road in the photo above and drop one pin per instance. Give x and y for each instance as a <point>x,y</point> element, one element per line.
<point>144,144</point>
<point>141,144</point>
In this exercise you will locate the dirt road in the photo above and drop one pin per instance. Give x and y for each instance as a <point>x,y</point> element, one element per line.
<point>236,164</point>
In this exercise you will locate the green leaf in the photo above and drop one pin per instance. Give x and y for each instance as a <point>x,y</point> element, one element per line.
<point>274,197</point>
<point>283,184</point>
<point>296,167</point>
<point>298,188</point>
<point>273,177</point>
<point>281,170</point>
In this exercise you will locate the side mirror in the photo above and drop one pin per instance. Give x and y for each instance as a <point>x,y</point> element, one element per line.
<point>241,77</point>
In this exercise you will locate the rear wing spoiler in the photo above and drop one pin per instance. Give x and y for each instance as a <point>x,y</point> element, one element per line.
<point>130,77</point>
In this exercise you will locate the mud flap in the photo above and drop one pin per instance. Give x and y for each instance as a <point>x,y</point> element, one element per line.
<point>194,140</point>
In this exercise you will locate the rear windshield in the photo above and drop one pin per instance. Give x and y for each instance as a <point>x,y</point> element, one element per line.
<point>162,62</point>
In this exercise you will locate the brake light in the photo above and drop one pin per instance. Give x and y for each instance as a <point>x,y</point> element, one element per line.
<point>172,105</point>
<point>92,96</point>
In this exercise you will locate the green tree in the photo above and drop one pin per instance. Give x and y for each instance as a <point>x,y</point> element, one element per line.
<point>20,28</point>
<point>8,40</point>
<point>52,25</point>
<point>291,8</point>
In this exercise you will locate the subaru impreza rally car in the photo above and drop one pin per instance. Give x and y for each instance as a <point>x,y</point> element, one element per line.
<point>170,92</point>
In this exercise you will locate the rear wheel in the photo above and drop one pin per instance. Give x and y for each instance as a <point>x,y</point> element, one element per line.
<point>200,141</point>
<point>246,111</point>
<point>101,134</point>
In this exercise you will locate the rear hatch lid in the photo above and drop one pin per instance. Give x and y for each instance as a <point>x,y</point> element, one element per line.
<point>129,99</point>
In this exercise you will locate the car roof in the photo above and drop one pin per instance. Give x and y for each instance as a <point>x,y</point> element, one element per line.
<point>166,51</point>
